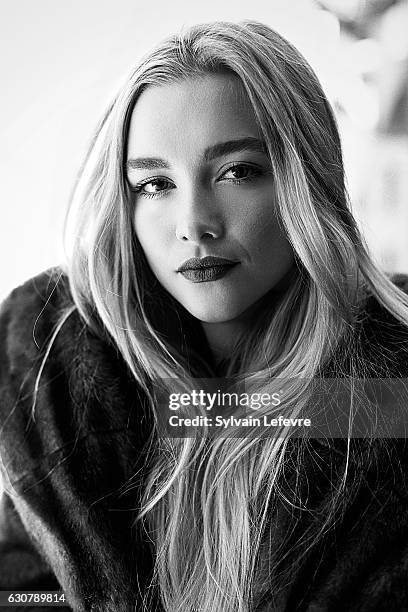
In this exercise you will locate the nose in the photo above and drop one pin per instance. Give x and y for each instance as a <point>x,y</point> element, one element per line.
<point>198,219</point>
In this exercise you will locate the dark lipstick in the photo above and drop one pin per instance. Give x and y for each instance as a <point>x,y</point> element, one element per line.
<point>206,269</point>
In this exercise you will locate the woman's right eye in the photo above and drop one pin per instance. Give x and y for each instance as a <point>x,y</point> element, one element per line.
<point>153,188</point>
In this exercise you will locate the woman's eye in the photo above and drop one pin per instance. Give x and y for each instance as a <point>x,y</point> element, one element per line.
<point>240,172</point>
<point>154,187</point>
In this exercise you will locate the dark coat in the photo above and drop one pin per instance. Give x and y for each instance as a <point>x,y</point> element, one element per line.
<point>68,515</point>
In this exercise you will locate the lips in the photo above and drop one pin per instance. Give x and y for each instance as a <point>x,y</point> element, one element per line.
<point>206,269</point>
<point>196,263</point>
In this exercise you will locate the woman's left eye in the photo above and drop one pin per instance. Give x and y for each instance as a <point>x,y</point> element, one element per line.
<point>240,172</point>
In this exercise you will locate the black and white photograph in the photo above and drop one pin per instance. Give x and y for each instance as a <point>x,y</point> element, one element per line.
<point>204,306</point>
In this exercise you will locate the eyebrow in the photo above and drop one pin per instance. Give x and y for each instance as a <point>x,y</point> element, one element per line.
<point>213,152</point>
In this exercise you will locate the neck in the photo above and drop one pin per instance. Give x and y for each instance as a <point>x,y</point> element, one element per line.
<point>222,337</point>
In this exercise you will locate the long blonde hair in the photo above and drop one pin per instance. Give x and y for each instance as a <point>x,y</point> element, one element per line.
<point>206,502</point>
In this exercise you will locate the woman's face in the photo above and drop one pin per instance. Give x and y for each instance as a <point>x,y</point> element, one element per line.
<point>203,191</point>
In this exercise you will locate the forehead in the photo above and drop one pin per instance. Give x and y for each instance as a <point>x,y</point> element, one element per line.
<point>186,116</point>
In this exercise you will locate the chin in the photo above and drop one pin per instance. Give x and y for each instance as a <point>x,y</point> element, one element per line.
<point>213,314</point>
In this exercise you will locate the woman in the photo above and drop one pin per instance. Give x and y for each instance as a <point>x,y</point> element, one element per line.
<point>212,237</point>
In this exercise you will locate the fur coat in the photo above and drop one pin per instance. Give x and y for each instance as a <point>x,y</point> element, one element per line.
<point>71,474</point>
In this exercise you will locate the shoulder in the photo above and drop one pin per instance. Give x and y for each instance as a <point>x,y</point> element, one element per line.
<point>57,377</point>
<point>383,337</point>
<point>40,316</point>
<point>401,281</point>
<point>28,315</point>
<point>39,319</point>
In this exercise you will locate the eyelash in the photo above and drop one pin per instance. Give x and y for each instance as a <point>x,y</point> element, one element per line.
<point>255,172</point>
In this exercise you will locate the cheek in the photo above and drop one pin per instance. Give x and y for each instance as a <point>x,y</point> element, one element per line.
<point>152,234</point>
<point>271,238</point>
<point>263,235</point>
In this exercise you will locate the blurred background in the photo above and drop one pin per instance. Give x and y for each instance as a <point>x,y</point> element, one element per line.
<point>61,62</point>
